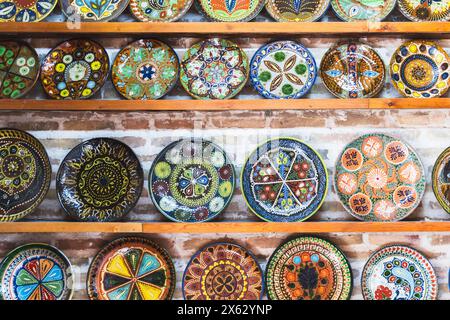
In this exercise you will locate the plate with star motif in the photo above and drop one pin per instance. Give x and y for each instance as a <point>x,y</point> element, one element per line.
<point>230,10</point>
<point>93,11</point>
<point>25,10</point>
<point>159,10</point>
<point>297,11</point>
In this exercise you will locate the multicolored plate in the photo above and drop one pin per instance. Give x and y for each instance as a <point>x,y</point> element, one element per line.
<point>230,10</point>
<point>398,272</point>
<point>159,10</point>
<point>25,174</point>
<point>93,11</point>
<point>297,11</point>
<point>214,69</point>
<point>441,179</point>
<point>420,69</point>
<point>356,10</point>
<point>75,69</point>
<point>283,70</point>
<point>99,180</point>
<point>379,178</point>
<point>131,268</point>
<point>145,69</point>
<point>223,271</point>
<point>308,268</point>
<point>285,180</point>
<point>19,69</point>
<point>36,271</point>
<point>191,180</point>
<point>419,10</point>
<point>352,70</point>
<point>25,10</point>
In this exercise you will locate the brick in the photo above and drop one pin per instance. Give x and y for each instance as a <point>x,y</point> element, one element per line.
<point>135,124</point>
<point>88,125</point>
<point>134,142</point>
<point>361,118</point>
<point>61,143</point>
<point>381,239</point>
<point>294,119</point>
<point>28,125</point>
<point>440,240</point>
<point>250,119</point>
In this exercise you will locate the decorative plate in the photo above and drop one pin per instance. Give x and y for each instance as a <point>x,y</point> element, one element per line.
<point>93,11</point>
<point>75,69</point>
<point>419,10</point>
<point>19,69</point>
<point>145,69</point>
<point>36,271</point>
<point>159,10</point>
<point>99,180</point>
<point>223,271</point>
<point>356,10</point>
<point>441,179</point>
<point>191,180</point>
<point>398,272</point>
<point>352,70</point>
<point>25,10</point>
<point>285,180</point>
<point>131,268</point>
<point>230,10</point>
<point>308,268</point>
<point>297,11</point>
<point>214,69</point>
<point>419,69</point>
<point>25,174</point>
<point>283,70</point>
<point>379,178</point>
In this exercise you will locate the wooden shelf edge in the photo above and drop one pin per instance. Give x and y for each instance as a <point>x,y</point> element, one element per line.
<point>70,227</point>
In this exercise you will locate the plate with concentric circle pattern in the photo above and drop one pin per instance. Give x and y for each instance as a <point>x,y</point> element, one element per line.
<point>25,10</point>
<point>230,11</point>
<point>297,11</point>
<point>159,10</point>
<point>361,10</point>
<point>440,179</point>
<point>93,11</point>
<point>418,10</point>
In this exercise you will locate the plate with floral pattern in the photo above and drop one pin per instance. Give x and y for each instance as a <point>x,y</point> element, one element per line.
<point>297,11</point>
<point>230,10</point>
<point>398,272</point>
<point>25,10</point>
<point>379,178</point>
<point>93,11</point>
<point>159,10</point>
<point>357,10</point>
<point>440,179</point>
<point>419,10</point>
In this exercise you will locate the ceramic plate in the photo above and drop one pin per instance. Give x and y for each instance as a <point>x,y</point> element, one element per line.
<point>36,272</point>
<point>284,180</point>
<point>25,10</point>
<point>356,10</point>
<point>308,268</point>
<point>379,178</point>
<point>441,179</point>
<point>159,11</point>
<point>419,69</point>
<point>352,70</point>
<point>75,69</point>
<point>223,271</point>
<point>297,11</point>
<point>19,69</point>
<point>131,268</point>
<point>230,11</point>
<point>419,10</point>
<point>214,69</point>
<point>25,174</point>
<point>191,180</point>
<point>93,11</point>
<point>145,69</point>
<point>283,70</point>
<point>99,180</point>
<point>398,273</point>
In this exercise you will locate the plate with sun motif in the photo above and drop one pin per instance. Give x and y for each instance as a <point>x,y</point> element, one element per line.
<point>418,10</point>
<point>191,180</point>
<point>284,180</point>
<point>283,70</point>
<point>75,69</point>
<point>25,10</point>
<point>93,11</point>
<point>308,268</point>
<point>352,70</point>
<point>379,178</point>
<point>398,272</point>
<point>25,174</point>
<point>420,69</point>
<point>357,10</point>
<point>214,69</point>
<point>19,69</point>
<point>36,271</point>
<point>440,179</point>
<point>145,69</point>
<point>159,10</point>
<point>297,11</point>
<point>223,271</point>
<point>131,268</point>
<point>99,180</point>
<point>230,10</point>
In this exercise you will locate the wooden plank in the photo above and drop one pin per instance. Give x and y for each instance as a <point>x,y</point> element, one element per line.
<point>401,28</point>
<point>70,227</point>
<point>409,103</point>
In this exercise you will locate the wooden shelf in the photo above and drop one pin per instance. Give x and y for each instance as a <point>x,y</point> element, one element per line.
<point>70,227</point>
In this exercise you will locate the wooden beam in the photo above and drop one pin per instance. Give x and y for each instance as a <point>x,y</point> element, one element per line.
<point>70,227</point>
